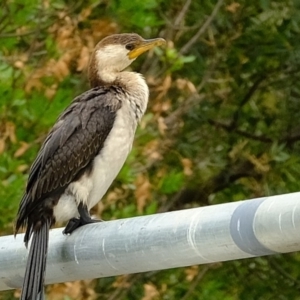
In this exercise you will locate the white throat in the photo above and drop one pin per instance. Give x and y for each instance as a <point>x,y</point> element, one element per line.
<point>111,60</point>
<point>107,74</point>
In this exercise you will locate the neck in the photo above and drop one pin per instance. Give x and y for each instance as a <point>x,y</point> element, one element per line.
<point>102,77</point>
<point>133,85</point>
<point>107,76</point>
<point>106,66</point>
<point>136,90</point>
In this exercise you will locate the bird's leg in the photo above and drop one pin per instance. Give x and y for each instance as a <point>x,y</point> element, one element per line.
<point>84,219</point>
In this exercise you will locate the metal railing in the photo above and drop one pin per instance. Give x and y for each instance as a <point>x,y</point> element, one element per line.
<point>214,233</point>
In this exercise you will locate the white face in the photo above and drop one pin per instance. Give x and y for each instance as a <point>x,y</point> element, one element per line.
<point>113,57</point>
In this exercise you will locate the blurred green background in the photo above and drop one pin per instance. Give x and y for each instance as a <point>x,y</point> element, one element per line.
<point>223,123</point>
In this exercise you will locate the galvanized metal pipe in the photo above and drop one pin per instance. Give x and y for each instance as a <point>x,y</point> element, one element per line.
<point>223,232</point>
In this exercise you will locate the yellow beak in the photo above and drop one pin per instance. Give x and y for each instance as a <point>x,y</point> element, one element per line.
<point>145,46</point>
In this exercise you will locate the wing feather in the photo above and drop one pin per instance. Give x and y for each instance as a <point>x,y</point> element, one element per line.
<point>70,147</point>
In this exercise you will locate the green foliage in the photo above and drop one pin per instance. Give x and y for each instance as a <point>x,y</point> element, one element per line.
<point>136,14</point>
<point>175,61</point>
<point>222,124</point>
<point>171,182</point>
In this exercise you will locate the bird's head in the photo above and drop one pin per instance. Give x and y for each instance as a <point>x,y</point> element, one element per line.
<point>115,53</point>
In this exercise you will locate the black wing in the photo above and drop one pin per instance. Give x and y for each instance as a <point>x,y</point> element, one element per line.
<point>69,149</point>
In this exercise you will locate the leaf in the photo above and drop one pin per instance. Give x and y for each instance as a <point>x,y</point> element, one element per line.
<point>162,127</point>
<point>233,7</point>
<point>2,144</point>
<point>83,59</point>
<point>150,292</point>
<point>22,149</point>
<point>261,164</point>
<point>10,131</point>
<point>237,149</point>
<point>164,87</point>
<point>151,150</point>
<point>73,290</point>
<point>191,272</point>
<point>51,91</point>
<point>142,192</point>
<point>187,166</point>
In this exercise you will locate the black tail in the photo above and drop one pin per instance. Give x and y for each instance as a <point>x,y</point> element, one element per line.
<point>36,264</point>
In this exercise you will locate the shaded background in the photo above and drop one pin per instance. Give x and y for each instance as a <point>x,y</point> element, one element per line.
<point>222,124</point>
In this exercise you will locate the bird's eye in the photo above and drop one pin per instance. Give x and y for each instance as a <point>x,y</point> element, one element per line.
<point>129,47</point>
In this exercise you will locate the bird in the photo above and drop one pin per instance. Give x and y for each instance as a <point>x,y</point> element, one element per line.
<point>84,151</point>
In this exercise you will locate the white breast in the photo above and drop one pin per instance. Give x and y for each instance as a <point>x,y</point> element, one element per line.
<point>116,148</point>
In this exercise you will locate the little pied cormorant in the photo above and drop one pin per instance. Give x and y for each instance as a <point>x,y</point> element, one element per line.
<point>84,151</point>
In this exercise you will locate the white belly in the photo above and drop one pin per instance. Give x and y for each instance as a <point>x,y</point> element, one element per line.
<point>90,189</point>
<point>108,164</point>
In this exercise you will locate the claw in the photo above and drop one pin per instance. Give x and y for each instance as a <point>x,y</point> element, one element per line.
<point>84,219</point>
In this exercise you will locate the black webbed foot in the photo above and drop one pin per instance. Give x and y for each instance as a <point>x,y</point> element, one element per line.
<point>73,224</point>
<point>84,219</point>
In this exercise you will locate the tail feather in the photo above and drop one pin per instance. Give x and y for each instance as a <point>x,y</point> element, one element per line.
<point>36,264</point>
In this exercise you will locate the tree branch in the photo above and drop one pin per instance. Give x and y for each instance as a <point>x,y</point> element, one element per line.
<point>229,128</point>
<point>245,100</point>
<point>202,29</point>
<point>182,13</point>
<point>193,286</point>
<point>283,273</point>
